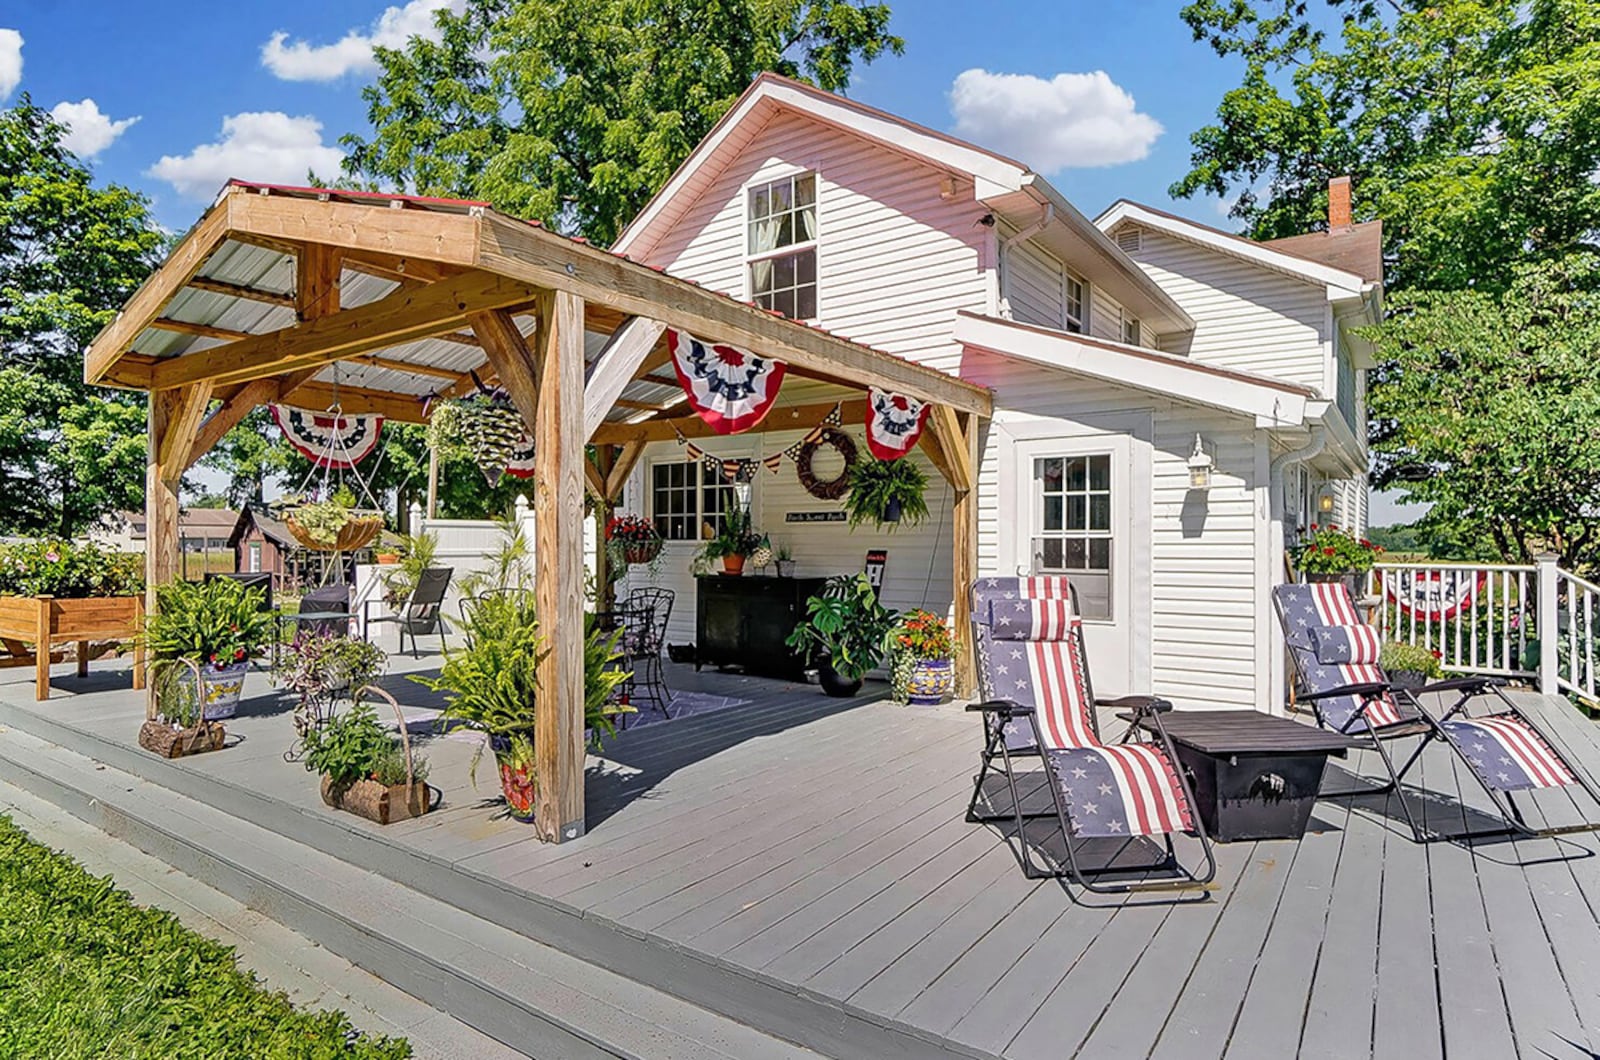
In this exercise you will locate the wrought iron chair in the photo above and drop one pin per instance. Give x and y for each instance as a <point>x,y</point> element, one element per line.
<point>421,613</point>
<point>1037,701</point>
<point>1337,673</point>
<point>646,649</point>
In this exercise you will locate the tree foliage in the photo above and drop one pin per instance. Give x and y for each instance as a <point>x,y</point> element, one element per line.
<point>1472,128</point>
<point>70,254</point>
<point>574,112</point>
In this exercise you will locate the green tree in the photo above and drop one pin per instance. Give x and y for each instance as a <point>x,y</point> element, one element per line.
<point>70,254</point>
<point>574,112</point>
<point>1472,128</point>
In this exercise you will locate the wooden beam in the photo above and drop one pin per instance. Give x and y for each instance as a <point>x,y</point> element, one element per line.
<point>545,260</point>
<point>400,268</point>
<point>627,457</point>
<point>404,316</point>
<point>172,421</point>
<point>791,418</point>
<point>933,448</point>
<point>157,290</point>
<point>189,327</point>
<point>964,554</point>
<point>235,290</point>
<point>559,575</point>
<point>394,364</point>
<point>508,353</point>
<point>234,408</point>
<point>316,282</point>
<point>460,338</point>
<point>402,408</point>
<point>184,410</point>
<point>614,369</point>
<point>944,425</point>
<point>594,480</point>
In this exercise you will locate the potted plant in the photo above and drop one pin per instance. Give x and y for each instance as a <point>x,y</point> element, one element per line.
<point>219,626</point>
<point>736,539</point>
<point>783,558</point>
<point>418,552</point>
<point>57,591</point>
<point>922,648</point>
<point>886,493</point>
<point>843,632</point>
<point>319,665</point>
<point>365,769</point>
<point>633,539</point>
<point>1329,554</point>
<point>491,684</point>
<point>174,725</point>
<point>332,525</point>
<point>1409,666</point>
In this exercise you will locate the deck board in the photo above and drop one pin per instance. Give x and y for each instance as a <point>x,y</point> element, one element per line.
<point>820,846</point>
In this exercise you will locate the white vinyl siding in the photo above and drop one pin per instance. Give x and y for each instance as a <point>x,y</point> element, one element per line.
<point>1246,316</point>
<point>1041,290</point>
<point>1203,610</point>
<point>896,260</point>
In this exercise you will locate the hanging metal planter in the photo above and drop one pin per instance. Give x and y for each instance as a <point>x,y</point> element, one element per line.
<point>486,426</point>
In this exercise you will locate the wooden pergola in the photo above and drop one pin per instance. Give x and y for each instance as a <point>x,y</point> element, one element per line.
<point>379,302</point>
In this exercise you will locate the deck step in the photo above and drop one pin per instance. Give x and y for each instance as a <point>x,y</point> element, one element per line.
<point>770,1006</point>
<point>530,996</point>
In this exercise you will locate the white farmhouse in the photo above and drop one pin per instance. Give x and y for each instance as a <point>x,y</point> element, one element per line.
<point>1130,356</point>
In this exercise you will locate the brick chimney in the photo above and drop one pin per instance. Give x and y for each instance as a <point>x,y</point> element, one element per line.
<point>1338,204</point>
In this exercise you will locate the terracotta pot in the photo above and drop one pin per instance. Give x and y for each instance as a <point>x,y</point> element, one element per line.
<point>931,682</point>
<point>387,559</point>
<point>733,564</point>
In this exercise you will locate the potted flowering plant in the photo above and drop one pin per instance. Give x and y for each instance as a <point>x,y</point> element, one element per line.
<point>1409,666</point>
<point>70,592</point>
<point>737,539</point>
<point>1329,554</point>
<point>218,626</point>
<point>633,538</point>
<point>922,649</point>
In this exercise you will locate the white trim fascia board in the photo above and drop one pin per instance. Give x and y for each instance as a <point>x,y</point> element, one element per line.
<point>1342,441</point>
<point>1175,317</point>
<point>1340,285</point>
<point>1166,374</point>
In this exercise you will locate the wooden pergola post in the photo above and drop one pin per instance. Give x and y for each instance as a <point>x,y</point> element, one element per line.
<point>173,424</point>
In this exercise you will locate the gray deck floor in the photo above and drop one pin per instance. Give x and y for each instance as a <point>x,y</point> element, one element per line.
<point>821,845</point>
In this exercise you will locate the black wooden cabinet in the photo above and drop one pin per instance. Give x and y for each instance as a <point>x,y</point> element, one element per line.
<point>744,620</point>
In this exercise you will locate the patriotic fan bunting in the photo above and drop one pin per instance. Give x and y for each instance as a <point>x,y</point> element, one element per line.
<point>327,439</point>
<point>521,463</point>
<point>731,389</point>
<point>1436,596</point>
<point>894,423</point>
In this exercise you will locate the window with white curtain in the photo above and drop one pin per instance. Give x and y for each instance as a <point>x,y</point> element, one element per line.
<point>782,245</point>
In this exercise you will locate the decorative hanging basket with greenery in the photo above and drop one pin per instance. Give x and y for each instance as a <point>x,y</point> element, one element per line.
<point>484,426</point>
<point>887,493</point>
<point>332,525</point>
<point>634,538</point>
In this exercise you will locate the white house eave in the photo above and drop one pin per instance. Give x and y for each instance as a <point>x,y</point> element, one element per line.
<point>1340,285</point>
<point>1268,404</point>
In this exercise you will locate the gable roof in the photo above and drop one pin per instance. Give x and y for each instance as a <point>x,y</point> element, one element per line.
<point>1268,255</point>
<point>1357,248</point>
<point>1006,185</point>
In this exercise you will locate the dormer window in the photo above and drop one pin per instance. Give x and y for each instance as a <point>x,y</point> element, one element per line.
<point>782,245</point>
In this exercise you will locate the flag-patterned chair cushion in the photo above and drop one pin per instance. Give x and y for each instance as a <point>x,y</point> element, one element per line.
<point>1347,644</point>
<point>1121,790</point>
<point>1507,754</point>
<point>1305,609</point>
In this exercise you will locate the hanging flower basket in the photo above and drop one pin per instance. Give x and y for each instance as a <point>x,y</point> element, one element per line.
<point>642,552</point>
<point>359,531</point>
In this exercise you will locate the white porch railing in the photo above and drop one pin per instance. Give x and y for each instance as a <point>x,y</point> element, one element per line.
<point>1533,620</point>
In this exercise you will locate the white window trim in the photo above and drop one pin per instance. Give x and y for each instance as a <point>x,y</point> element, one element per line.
<point>1067,319</point>
<point>813,245</point>
<point>648,489</point>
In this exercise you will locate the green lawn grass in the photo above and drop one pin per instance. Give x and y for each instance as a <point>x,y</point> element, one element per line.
<point>84,972</point>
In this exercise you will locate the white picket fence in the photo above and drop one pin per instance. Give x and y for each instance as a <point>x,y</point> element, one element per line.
<point>1533,621</point>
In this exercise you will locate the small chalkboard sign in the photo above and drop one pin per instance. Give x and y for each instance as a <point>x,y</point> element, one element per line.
<point>813,517</point>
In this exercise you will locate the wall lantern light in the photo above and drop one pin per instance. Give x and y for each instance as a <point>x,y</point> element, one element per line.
<point>1199,467</point>
<point>1325,503</point>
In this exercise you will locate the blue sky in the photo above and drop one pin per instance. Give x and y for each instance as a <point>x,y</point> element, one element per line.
<point>199,66</point>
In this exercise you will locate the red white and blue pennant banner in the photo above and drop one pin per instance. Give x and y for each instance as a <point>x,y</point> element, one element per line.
<point>743,469</point>
<point>329,439</point>
<point>730,389</point>
<point>894,423</point>
<point>1434,595</point>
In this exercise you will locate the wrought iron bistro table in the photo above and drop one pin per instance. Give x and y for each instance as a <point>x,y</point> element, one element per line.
<point>1255,776</point>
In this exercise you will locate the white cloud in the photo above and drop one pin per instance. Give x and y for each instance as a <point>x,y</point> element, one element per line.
<point>352,54</point>
<point>10,61</point>
<point>1070,121</point>
<point>265,146</point>
<point>88,131</point>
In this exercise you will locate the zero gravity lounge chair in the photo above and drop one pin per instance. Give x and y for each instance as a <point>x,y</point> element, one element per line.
<point>1037,703</point>
<point>1336,672</point>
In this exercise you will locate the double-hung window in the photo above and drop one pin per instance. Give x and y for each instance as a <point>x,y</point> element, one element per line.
<point>688,499</point>
<point>1073,304</point>
<point>1130,329</point>
<point>782,245</point>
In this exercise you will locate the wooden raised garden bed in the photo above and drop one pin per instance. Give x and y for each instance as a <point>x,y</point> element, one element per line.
<point>44,621</point>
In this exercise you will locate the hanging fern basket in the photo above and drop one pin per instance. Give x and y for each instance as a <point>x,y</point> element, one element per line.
<point>358,531</point>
